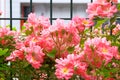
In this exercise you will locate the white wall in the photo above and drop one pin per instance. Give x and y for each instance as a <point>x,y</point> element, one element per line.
<point>80,10</point>
<point>57,1</point>
<point>41,7</point>
<point>60,10</point>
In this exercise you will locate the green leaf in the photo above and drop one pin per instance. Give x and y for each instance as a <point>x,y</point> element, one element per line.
<point>70,49</point>
<point>14,29</point>
<point>99,22</point>
<point>109,65</point>
<point>23,27</point>
<point>2,79</point>
<point>118,6</point>
<point>104,72</point>
<point>28,32</point>
<point>2,75</point>
<point>113,70</point>
<point>86,30</point>
<point>52,53</point>
<point>4,67</point>
<point>112,26</point>
<point>3,52</point>
<point>112,20</point>
<point>82,41</point>
<point>25,64</point>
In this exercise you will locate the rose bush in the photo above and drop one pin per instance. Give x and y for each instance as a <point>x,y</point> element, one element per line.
<point>82,49</point>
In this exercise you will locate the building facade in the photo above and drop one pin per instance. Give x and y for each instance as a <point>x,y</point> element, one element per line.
<point>21,8</point>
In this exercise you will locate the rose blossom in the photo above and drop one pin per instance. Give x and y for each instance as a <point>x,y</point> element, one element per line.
<point>72,64</point>
<point>98,50</point>
<point>16,54</point>
<point>101,8</point>
<point>82,23</point>
<point>34,56</point>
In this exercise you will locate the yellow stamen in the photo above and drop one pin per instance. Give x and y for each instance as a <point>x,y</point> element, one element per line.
<point>34,40</point>
<point>104,50</point>
<point>85,22</point>
<point>64,70</point>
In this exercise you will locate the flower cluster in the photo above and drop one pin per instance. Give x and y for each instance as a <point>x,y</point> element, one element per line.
<point>36,25</point>
<point>6,35</point>
<point>58,36</point>
<point>102,8</point>
<point>99,50</point>
<point>96,52</point>
<point>72,64</point>
<point>29,50</point>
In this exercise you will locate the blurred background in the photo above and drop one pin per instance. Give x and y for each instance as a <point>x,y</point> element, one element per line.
<point>60,9</point>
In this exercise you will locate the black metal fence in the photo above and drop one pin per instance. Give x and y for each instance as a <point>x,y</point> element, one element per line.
<point>31,10</point>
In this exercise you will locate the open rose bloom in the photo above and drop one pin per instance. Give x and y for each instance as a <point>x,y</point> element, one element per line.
<point>80,49</point>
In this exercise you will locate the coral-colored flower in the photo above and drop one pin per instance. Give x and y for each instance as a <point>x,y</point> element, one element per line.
<point>72,64</point>
<point>4,31</point>
<point>7,37</point>
<point>81,23</point>
<point>106,52</point>
<point>3,42</point>
<point>59,36</point>
<point>32,19</point>
<point>79,66</point>
<point>107,10</point>
<point>16,54</point>
<point>46,43</point>
<point>43,21</point>
<point>114,1</point>
<point>116,29</point>
<point>101,8</point>
<point>72,30</point>
<point>92,10</point>
<point>34,56</point>
<point>116,54</point>
<point>35,25</point>
<point>98,50</point>
<point>78,23</point>
<point>64,69</point>
<point>104,1</point>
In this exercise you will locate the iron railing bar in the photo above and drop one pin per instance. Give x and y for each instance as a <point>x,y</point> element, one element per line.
<point>91,1</point>
<point>71,9</point>
<point>51,11</point>
<point>61,18</point>
<point>26,18</point>
<point>10,14</point>
<point>31,7</point>
<point>91,26</point>
<point>13,18</point>
<point>10,29</point>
